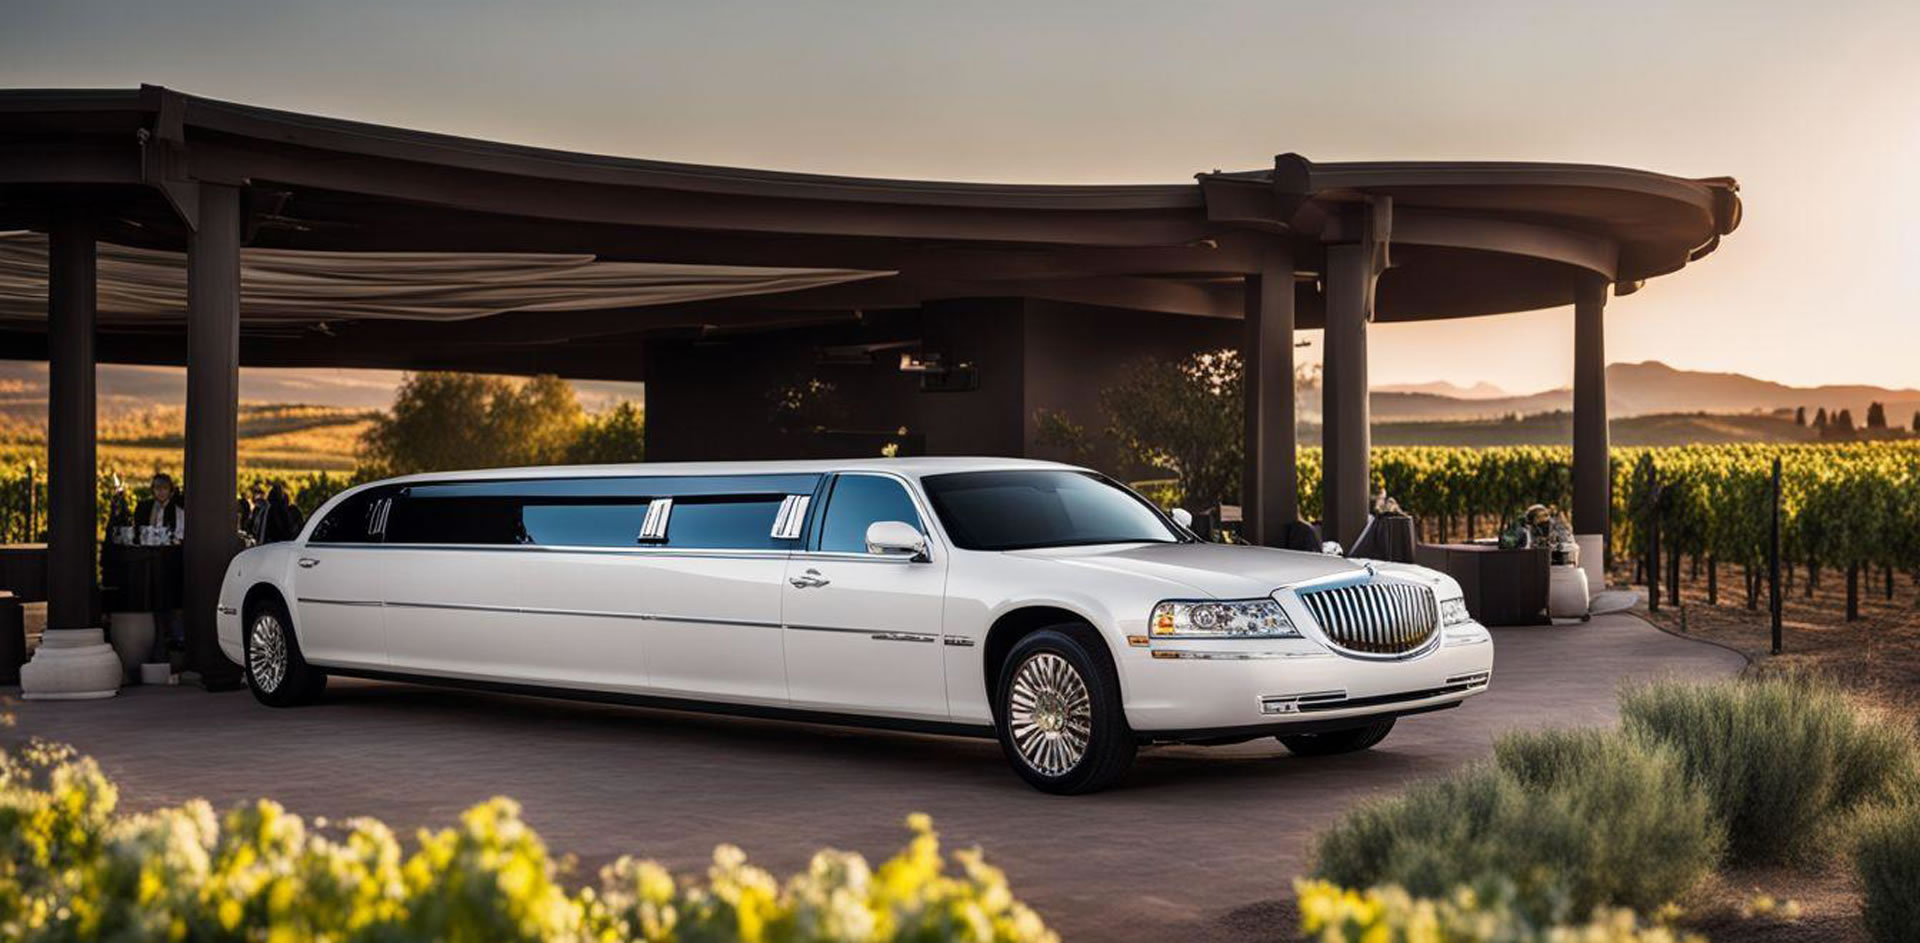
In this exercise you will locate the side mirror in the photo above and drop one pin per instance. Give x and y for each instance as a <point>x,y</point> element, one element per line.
<point>896,537</point>
<point>1183,517</point>
<point>1333,548</point>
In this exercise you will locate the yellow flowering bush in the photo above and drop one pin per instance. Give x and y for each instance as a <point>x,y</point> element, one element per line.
<point>1331,914</point>
<point>72,868</point>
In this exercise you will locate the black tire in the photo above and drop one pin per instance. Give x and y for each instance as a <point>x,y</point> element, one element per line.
<point>298,682</point>
<point>1331,742</point>
<point>1075,658</point>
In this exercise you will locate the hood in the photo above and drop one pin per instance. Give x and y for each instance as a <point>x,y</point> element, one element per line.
<point>1223,571</point>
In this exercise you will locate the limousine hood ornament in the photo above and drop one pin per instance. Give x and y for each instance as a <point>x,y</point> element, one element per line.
<point>1041,604</point>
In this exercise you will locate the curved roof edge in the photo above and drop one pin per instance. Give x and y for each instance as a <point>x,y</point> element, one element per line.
<point>1718,195</point>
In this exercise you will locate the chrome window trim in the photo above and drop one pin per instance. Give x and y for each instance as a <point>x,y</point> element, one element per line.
<point>848,556</point>
<point>381,508</point>
<point>654,526</point>
<point>792,518</point>
<point>753,553</point>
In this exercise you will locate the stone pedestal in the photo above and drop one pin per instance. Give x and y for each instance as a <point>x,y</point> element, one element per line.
<point>71,664</point>
<point>1593,559</point>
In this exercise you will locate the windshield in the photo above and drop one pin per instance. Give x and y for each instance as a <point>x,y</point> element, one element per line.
<point>1020,510</point>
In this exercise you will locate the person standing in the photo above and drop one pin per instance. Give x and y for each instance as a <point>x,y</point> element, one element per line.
<point>256,515</point>
<point>282,520</point>
<point>165,510</point>
<point>161,510</point>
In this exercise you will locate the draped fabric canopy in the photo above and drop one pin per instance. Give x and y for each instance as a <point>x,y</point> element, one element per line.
<point>148,286</point>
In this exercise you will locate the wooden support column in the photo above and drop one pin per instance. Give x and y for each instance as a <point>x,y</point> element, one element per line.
<point>1269,489</point>
<point>213,411</point>
<point>71,469</point>
<point>1347,439</point>
<point>1592,475</point>
<point>74,660</point>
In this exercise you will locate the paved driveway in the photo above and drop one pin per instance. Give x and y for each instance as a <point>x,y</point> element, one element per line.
<point>1200,843</point>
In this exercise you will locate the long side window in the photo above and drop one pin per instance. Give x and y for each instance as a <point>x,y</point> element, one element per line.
<point>356,520</point>
<point>726,523</point>
<point>591,513</point>
<point>432,519</point>
<point>583,524</point>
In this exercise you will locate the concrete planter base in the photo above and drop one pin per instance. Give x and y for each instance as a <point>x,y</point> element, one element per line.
<point>1593,559</point>
<point>70,665</point>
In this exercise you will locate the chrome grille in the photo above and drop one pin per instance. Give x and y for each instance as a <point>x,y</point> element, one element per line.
<point>1375,618</point>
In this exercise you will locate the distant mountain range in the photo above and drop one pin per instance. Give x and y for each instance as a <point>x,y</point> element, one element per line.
<point>1633,389</point>
<point>127,389</point>
<point>1639,389</point>
<point>1480,390</point>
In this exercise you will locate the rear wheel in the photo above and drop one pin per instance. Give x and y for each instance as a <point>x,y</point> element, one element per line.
<point>276,672</point>
<point>1350,740</point>
<point>1058,712</point>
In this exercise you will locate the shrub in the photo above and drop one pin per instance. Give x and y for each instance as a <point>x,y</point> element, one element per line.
<point>1569,821</point>
<point>1886,858</point>
<point>1391,915</point>
<point>71,869</point>
<point>1783,759</point>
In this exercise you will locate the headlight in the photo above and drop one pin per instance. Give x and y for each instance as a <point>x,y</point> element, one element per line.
<point>1454,611</point>
<point>1234,618</point>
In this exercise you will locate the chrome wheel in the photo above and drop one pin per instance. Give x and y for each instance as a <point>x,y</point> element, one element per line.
<point>1049,714</point>
<point>267,652</point>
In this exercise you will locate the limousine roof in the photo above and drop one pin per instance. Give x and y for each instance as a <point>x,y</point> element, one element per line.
<point>909,467</point>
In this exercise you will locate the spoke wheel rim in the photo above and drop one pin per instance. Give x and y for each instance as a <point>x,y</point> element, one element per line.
<point>267,652</point>
<point>1049,714</point>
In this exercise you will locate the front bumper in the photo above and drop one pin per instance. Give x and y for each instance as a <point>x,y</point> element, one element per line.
<point>1195,692</point>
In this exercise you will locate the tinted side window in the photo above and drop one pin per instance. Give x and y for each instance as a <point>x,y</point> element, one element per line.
<point>597,524</point>
<point>351,521</point>
<point>860,500</point>
<point>724,524</point>
<point>429,519</point>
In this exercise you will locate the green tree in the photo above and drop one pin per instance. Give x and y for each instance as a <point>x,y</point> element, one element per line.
<point>445,421</point>
<point>535,422</point>
<point>1183,417</point>
<point>1876,416</point>
<point>1055,429</point>
<point>615,436</point>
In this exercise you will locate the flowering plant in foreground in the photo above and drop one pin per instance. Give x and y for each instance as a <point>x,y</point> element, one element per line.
<point>1331,914</point>
<point>73,868</point>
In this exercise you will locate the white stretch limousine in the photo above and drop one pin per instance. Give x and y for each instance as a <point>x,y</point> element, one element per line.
<point>1037,602</point>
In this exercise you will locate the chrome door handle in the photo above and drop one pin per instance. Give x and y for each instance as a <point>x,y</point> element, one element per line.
<point>809,579</point>
<point>308,563</point>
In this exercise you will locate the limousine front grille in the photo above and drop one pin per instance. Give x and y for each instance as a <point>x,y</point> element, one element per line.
<point>1375,618</point>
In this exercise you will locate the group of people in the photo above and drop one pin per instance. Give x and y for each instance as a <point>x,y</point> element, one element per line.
<point>264,515</point>
<point>268,516</point>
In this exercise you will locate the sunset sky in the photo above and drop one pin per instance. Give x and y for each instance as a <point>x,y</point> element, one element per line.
<point>1815,108</point>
